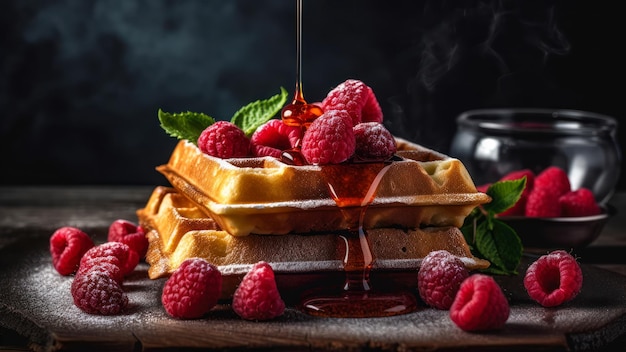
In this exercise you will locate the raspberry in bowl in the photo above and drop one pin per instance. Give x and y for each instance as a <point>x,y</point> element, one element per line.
<point>550,213</point>
<point>571,160</point>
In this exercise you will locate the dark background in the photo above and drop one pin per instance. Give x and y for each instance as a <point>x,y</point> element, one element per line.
<point>81,80</point>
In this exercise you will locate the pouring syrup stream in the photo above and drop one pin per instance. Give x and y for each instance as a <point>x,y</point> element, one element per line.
<point>299,113</point>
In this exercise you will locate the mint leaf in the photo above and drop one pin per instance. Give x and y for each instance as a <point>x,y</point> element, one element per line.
<point>504,194</point>
<point>499,244</point>
<point>490,238</point>
<point>185,125</point>
<point>253,115</point>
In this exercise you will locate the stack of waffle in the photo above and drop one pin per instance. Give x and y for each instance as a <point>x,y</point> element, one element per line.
<point>236,212</point>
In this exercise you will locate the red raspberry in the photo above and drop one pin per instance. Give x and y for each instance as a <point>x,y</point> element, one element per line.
<point>480,304</point>
<point>224,139</point>
<point>109,265</point>
<point>128,259</point>
<point>192,290</point>
<point>579,203</point>
<point>554,179</point>
<point>520,206</point>
<point>371,110</point>
<point>543,203</point>
<point>129,234</point>
<point>357,99</point>
<point>373,141</point>
<point>257,297</point>
<point>553,279</point>
<point>483,188</point>
<point>330,139</point>
<point>271,138</point>
<point>439,278</point>
<point>67,247</point>
<point>95,292</point>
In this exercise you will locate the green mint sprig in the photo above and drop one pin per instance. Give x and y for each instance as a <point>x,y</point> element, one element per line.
<point>189,125</point>
<point>253,115</point>
<point>490,238</point>
<point>185,125</point>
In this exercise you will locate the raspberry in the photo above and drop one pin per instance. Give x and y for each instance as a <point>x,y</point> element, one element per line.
<point>373,141</point>
<point>109,265</point>
<point>480,304</point>
<point>224,139</point>
<point>128,259</point>
<point>439,278</point>
<point>330,139</point>
<point>95,292</point>
<point>371,110</point>
<point>554,179</point>
<point>357,99</point>
<point>129,234</point>
<point>192,290</point>
<point>483,188</point>
<point>579,203</point>
<point>271,138</point>
<point>257,297</point>
<point>542,202</point>
<point>67,247</point>
<point>518,174</point>
<point>553,279</point>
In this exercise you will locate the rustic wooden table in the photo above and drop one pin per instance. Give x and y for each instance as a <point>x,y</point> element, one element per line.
<point>28,215</point>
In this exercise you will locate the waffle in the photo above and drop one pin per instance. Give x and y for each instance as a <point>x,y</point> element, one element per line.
<point>178,229</point>
<point>422,188</point>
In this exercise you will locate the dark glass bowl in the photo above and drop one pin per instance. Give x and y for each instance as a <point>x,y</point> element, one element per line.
<point>494,142</point>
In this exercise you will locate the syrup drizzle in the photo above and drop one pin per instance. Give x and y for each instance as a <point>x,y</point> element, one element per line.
<point>299,113</point>
<point>357,298</point>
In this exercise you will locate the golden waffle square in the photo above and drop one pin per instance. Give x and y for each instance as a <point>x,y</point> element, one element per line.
<point>265,196</point>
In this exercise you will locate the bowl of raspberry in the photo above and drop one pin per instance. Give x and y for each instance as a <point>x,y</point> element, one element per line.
<point>571,161</point>
<point>550,213</point>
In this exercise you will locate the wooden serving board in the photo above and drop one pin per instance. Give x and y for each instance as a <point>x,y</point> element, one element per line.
<point>36,305</point>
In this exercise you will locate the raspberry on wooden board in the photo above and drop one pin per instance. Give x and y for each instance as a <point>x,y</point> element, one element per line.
<point>130,234</point>
<point>67,247</point>
<point>108,264</point>
<point>480,304</point>
<point>95,292</point>
<point>257,296</point>
<point>128,258</point>
<point>553,279</point>
<point>439,278</point>
<point>192,290</point>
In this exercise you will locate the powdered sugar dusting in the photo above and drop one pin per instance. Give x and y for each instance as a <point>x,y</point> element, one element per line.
<point>40,295</point>
<point>35,301</point>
